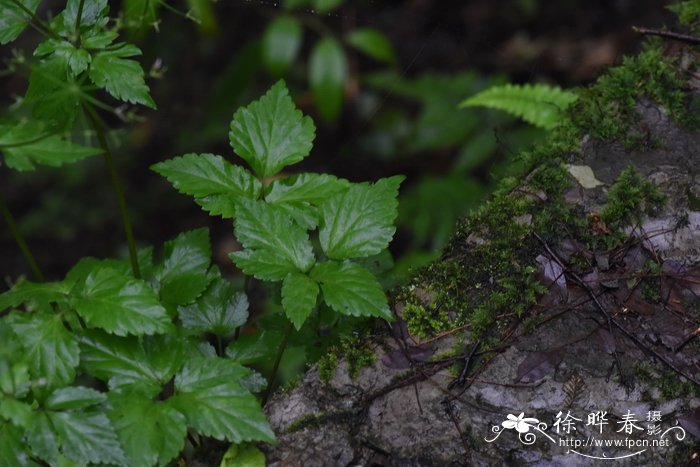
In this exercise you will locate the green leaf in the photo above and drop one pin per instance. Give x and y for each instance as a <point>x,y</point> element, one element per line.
<point>150,432</point>
<point>360,222</point>
<point>74,397</point>
<point>216,184</point>
<point>13,18</point>
<point>328,71</point>
<point>372,43</point>
<point>243,455</point>
<point>147,361</point>
<point>270,133</point>
<point>86,436</point>
<point>40,294</point>
<point>350,289</point>
<point>53,93</point>
<point>17,412</point>
<point>299,195</point>
<point>23,149</point>
<point>209,394</point>
<point>93,11</point>
<point>274,244</point>
<point>260,348</point>
<point>42,438</point>
<point>220,310</point>
<point>13,449</point>
<point>280,43</point>
<point>120,77</point>
<point>299,294</point>
<point>50,349</point>
<point>14,376</point>
<point>539,104</point>
<point>78,59</point>
<point>183,276</point>
<point>120,304</point>
<point>324,6</point>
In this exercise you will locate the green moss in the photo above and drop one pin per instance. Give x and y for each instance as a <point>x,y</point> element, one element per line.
<point>422,321</point>
<point>688,13</point>
<point>607,110</point>
<point>671,385</point>
<point>629,199</point>
<point>355,353</point>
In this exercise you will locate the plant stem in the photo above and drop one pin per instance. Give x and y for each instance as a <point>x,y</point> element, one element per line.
<point>117,186</point>
<point>278,359</point>
<point>78,19</point>
<point>20,241</point>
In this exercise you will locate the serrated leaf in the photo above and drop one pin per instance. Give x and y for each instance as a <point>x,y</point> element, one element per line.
<point>13,449</point>
<point>280,43</point>
<point>372,43</point>
<point>14,375</point>
<point>539,104</point>
<point>183,276</point>
<point>50,349</point>
<point>86,437</point>
<point>328,71</point>
<point>271,133</point>
<point>360,222</point>
<point>29,142</point>
<point>299,294</point>
<point>220,310</point>
<point>216,184</point>
<point>299,196</point>
<point>259,348</point>
<point>41,437</point>
<point>53,93</point>
<point>274,244</point>
<point>31,292</point>
<point>209,394</point>
<point>150,432</point>
<point>350,289</point>
<point>120,77</point>
<point>78,59</point>
<point>13,18</point>
<point>17,412</point>
<point>74,397</point>
<point>148,361</point>
<point>120,304</point>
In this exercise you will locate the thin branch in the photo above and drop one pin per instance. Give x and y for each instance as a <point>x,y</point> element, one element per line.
<point>12,225</point>
<point>676,36</point>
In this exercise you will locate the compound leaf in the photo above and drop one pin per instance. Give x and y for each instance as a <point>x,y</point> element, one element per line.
<point>50,349</point>
<point>121,77</point>
<point>350,289</point>
<point>120,304</point>
<point>271,133</point>
<point>210,394</point>
<point>220,310</point>
<point>360,221</point>
<point>539,104</point>
<point>274,244</point>
<point>299,294</point>
<point>216,184</point>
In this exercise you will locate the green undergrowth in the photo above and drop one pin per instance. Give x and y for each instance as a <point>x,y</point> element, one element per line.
<point>487,272</point>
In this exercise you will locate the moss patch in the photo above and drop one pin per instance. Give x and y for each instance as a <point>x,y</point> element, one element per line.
<point>357,354</point>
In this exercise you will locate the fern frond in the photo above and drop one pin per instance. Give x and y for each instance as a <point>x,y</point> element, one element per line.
<point>538,104</point>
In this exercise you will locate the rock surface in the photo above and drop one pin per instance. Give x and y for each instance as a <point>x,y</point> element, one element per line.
<point>576,363</point>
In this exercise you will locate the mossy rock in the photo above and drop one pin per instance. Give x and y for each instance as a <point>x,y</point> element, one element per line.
<point>574,290</point>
